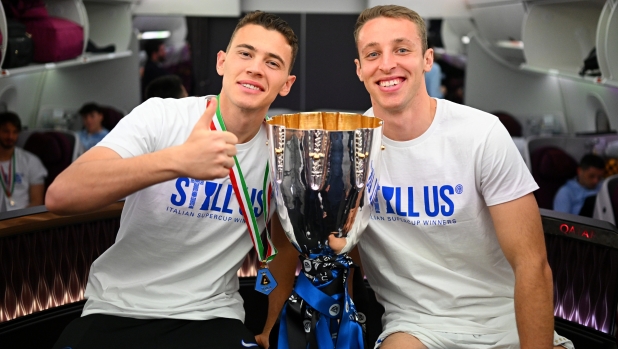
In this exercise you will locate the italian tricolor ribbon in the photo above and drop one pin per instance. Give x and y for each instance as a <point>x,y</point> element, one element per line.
<point>265,250</point>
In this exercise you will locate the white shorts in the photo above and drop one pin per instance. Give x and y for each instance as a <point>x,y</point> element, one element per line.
<point>446,340</point>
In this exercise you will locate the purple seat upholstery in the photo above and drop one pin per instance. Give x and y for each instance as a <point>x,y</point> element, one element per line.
<point>551,168</point>
<point>55,149</point>
<point>111,117</point>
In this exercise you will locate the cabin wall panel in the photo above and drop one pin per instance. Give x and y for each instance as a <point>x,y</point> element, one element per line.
<point>492,85</point>
<point>583,100</point>
<point>21,94</point>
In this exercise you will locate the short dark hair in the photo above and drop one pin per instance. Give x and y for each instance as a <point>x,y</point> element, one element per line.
<point>167,86</point>
<point>12,118</point>
<point>152,46</point>
<point>90,108</point>
<point>271,22</point>
<point>591,160</point>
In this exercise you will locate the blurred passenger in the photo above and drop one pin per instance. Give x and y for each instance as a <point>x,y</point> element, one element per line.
<point>168,86</point>
<point>22,173</point>
<point>92,119</point>
<point>571,196</point>
<point>155,52</point>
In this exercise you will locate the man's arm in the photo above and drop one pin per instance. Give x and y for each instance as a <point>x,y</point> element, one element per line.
<point>101,176</point>
<point>36,194</point>
<point>520,234</point>
<point>283,268</point>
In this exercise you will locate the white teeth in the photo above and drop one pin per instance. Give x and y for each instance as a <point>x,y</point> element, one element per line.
<point>389,83</point>
<point>251,87</point>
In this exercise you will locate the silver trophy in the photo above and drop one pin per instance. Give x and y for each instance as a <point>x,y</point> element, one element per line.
<point>325,177</point>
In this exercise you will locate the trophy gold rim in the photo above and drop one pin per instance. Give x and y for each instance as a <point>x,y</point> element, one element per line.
<point>327,121</point>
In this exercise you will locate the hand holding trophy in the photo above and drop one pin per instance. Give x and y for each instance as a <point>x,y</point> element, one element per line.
<point>325,172</point>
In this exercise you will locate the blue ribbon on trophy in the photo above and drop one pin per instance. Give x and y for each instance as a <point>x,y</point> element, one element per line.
<point>324,170</point>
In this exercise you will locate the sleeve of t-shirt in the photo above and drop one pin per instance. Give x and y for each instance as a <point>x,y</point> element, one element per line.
<point>562,201</point>
<point>37,172</point>
<point>139,131</point>
<point>504,174</point>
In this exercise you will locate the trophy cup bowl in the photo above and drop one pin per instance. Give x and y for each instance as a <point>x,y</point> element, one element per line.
<point>324,168</point>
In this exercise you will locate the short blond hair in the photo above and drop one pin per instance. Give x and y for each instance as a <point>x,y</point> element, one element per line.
<point>392,11</point>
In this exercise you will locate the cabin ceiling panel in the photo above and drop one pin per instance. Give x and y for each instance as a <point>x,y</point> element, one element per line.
<point>429,9</point>
<point>303,6</point>
<point>211,8</point>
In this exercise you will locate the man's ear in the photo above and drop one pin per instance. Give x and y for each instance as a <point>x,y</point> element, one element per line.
<point>358,69</point>
<point>428,60</point>
<point>285,89</point>
<point>220,61</point>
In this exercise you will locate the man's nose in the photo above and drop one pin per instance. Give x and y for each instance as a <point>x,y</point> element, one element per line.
<point>387,62</point>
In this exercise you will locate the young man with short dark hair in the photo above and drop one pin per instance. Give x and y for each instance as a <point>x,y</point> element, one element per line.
<point>23,174</point>
<point>92,120</point>
<point>571,196</point>
<point>170,280</point>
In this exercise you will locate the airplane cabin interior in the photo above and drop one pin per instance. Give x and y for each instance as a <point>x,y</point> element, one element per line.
<point>547,68</point>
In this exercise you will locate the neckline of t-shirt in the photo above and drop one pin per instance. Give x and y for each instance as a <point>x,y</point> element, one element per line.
<point>405,144</point>
<point>253,141</point>
<point>249,143</point>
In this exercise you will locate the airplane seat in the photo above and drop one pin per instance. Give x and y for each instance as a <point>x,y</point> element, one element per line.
<point>606,205</point>
<point>55,149</point>
<point>551,167</point>
<point>583,255</point>
<point>111,117</point>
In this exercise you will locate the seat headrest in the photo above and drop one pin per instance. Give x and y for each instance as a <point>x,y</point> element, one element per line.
<point>553,164</point>
<point>45,146</point>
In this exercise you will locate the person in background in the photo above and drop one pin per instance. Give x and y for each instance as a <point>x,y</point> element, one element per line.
<point>170,279</point>
<point>168,86</point>
<point>571,197</point>
<point>93,131</point>
<point>155,56</point>
<point>23,174</point>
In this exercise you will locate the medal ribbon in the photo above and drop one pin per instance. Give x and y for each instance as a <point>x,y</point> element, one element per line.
<point>8,180</point>
<point>265,251</point>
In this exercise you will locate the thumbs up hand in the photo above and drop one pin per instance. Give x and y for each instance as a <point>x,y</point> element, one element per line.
<point>207,154</point>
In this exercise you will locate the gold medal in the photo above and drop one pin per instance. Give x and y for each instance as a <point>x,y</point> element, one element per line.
<point>11,202</point>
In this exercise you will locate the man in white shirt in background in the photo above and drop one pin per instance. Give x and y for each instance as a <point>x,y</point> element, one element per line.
<point>22,173</point>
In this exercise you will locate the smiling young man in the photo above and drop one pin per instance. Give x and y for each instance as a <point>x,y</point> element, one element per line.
<point>169,281</point>
<point>455,250</point>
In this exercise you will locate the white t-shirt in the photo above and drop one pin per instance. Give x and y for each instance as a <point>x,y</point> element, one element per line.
<point>430,251</point>
<point>29,170</point>
<point>180,242</point>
